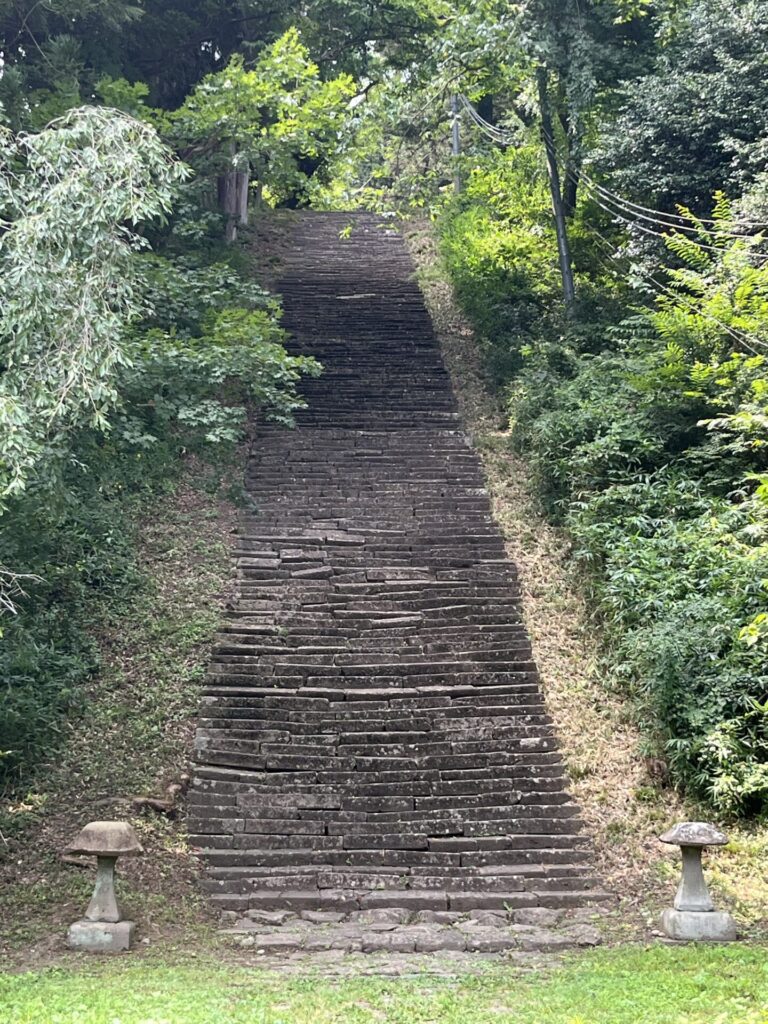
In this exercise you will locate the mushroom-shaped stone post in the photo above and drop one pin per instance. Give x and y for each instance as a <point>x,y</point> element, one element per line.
<point>102,928</point>
<point>694,916</point>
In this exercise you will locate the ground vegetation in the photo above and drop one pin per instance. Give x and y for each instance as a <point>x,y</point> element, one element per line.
<point>636,985</point>
<point>131,336</point>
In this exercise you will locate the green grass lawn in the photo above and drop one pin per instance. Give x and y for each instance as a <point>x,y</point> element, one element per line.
<point>658,985</point>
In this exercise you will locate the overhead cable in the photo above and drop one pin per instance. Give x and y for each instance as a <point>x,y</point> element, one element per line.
<point>738,336</point>
<point>637,211</point>
<point>496,134</point>
<point>660,287</point>
<point>665,236</point>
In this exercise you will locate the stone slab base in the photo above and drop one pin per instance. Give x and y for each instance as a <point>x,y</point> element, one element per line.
<point>100,936</point>
<point>388,930</point>
<point>697,926</point>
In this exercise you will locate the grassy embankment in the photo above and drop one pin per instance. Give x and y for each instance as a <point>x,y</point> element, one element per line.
<point>134,737</point>
<point>625,807</point>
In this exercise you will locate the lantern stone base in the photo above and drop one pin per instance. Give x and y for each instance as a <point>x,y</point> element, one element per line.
<point>100,936</point>
<point>698,926</point>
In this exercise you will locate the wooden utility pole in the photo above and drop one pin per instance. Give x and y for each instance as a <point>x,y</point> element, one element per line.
<point>558,209</point>
<point>455,142</point>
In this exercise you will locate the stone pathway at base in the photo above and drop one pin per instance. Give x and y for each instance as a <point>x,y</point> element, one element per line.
<point>390,930</point>
<point>372,735</point>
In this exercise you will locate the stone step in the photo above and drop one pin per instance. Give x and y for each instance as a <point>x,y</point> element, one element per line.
<point>372,735</point>
<point>349,900</point>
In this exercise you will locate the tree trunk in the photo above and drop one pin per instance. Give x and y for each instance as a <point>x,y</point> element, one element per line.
<point>232,187</point>
<point>571,186</point>
<point>569,124</point>
<point>243,180</point>
<point>558,209</point>
<point>228,203</point>
<point>485,107</point>
<point>455,142</point>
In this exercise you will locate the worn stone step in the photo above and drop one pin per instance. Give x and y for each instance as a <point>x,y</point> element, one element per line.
<point>372,733</point>
<point>349,901</point>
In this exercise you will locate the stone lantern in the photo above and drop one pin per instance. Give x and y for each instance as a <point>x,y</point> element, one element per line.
<point>102,930</point>
<point>694,916</point>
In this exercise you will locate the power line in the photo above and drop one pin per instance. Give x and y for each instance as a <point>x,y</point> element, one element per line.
<point>634,211</point>
<point>671,217</point>
<point>626,206</point>
<point>479,120</point>
<point>760,257</point>
<point>665,236</point>
<point>671,220</point>
<point>659,215</point>
<point>496,134</point>
<point>661,218</point>
<point>739,336</point>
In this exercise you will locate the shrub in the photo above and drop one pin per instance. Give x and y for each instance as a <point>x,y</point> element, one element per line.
<point>649,441</point>
<point>496,240</point>
<point>146,358</point>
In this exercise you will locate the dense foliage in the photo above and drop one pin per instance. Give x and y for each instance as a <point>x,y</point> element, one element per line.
<point>645,417</point>
<point>117,363</point>
<point>72,196</point>
<point>55,53</point>
<point>648,440</point>
<point>642,407</point>
<point>698,121</point>
<point>277,117</point>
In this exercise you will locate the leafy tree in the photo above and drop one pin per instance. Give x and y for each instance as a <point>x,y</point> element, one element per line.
<point>366,39</point>
<point>62,48</point>
<point>584,47</point>
<point>72,198</point>
<point>114,364</point>
<point>698,121</point>
<point>49,51</point>
<point>176,43</point>
<point>276,120</point>
<point>55,53</point>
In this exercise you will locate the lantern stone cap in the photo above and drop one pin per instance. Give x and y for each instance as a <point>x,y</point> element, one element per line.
<point>106,839</point>
<point>694,833</point>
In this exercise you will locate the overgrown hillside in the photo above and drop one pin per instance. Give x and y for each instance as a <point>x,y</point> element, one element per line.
<point>641,405</point>
<point>132,335</point>
<point>645,425</point>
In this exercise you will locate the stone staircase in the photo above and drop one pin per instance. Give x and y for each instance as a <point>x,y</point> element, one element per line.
<point>372,735</point>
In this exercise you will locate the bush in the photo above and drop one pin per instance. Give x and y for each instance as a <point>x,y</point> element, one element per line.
<point>496,238</point>
<point>649,441</point>
<point>678,576</point>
